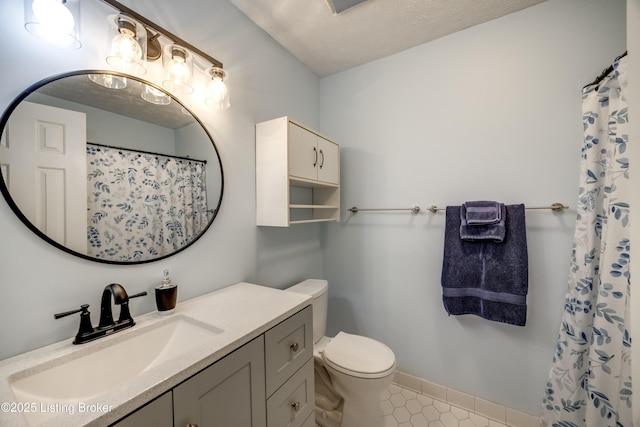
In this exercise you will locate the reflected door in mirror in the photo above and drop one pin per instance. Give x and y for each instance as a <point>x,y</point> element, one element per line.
<point>44,166</point>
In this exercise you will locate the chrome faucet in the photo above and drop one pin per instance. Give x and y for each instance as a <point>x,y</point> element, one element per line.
<point>107,325</point>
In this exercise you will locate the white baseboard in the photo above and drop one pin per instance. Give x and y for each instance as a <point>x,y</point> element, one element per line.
<point>485,408</point>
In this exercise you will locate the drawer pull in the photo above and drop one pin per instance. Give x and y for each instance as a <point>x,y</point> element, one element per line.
<point>294,347</point>
<point>192,425</point>
<point>295,406</point>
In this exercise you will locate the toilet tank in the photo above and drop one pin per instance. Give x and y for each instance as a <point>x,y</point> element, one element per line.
<point>318,290</point>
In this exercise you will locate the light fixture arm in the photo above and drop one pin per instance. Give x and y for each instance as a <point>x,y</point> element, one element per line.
<point>158,29</point>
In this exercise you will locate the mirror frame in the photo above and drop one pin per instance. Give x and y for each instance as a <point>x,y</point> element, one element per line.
<point>16,210</point>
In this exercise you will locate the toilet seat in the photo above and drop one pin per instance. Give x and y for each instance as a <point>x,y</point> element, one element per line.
<point>359,356</point>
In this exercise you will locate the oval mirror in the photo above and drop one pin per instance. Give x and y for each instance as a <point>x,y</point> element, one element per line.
<point>109,167</point>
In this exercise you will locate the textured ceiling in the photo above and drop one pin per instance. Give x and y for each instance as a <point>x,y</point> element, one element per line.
<point>329,42</point>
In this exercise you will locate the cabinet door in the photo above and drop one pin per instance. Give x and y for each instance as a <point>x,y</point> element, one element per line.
<point>158,413</point>
<point>228,393</point>
<point>328,161</point>
<point>303,153</point>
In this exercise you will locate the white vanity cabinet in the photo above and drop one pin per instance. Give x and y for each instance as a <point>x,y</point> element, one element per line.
<point>297,175</point>
<point>268,382</point>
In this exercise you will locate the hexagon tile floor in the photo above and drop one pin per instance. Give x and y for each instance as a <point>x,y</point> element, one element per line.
<point>402,407</point>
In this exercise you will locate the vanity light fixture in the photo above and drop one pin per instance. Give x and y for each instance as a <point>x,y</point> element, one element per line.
<point>217,91</point>
<point>55,21</point>
<point>182,63</point>
<point>177,62</point>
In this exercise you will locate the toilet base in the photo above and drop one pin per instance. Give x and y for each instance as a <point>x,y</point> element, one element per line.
<point>326,418</point>
<point>361,413</point>
<point>361,405</point>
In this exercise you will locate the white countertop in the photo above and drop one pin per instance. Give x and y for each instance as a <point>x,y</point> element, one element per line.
<point>242,311</point>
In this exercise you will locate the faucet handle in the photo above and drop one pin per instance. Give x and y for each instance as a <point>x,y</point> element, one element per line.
<point>140,294</point>
<point>83,308</point>
<point>85,322</point>
<point>125,315</point>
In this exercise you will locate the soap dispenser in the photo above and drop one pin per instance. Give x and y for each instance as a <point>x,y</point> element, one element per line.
<point>166,295</point>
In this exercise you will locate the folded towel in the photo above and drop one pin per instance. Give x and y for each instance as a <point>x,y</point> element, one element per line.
<point>482,221</point>
<point>485,278</point>
<point>481,212</point>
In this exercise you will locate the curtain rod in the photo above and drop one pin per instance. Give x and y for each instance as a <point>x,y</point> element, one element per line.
<point>556,207</point>
<point>605,72</point>
<point>147,152</point>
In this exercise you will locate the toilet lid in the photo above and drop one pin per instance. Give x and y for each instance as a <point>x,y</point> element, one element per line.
<point>359,356</point>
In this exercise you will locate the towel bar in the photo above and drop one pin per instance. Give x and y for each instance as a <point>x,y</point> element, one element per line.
<point>415,209</point>
<point>556,207</point>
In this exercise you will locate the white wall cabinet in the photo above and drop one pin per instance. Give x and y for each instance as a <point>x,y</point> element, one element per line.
<point>311,156</point>
<point>268,382</point>
<point>297,175</point>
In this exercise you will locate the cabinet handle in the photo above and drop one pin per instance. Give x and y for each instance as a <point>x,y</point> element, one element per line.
<point>192,425</point>
<point>315,156</point>
<point>294,347</point>
<point>295,406</point>
<point>322,162</point>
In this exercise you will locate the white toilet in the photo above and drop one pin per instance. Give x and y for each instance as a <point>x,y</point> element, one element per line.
<point>359,368</point>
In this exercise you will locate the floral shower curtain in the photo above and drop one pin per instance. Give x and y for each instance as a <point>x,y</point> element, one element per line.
<point>590,381</point>
<point>142,206</point>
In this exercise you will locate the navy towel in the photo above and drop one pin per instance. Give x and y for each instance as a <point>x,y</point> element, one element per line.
<point>485,278</point>
<point>481,212</point>
<point>482,221</point>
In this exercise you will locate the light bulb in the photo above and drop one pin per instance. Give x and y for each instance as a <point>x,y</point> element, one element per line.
<point>178,71</point>
<point>53,21</point>
<point>155,96</point>
<point>53,14</point>
<point>178,63</point>
<point>125,47</point>
<point>217,91</point>
<point>109,81</point>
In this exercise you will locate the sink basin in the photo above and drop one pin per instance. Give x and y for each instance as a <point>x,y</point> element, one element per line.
<point>99,369</point>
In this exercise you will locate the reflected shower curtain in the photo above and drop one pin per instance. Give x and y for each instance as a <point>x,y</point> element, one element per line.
<point>590,381</point>
<point>142,206</point>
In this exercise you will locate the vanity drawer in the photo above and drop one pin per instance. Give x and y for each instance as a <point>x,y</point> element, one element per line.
<point>288,346</point>
<point>294,402</point>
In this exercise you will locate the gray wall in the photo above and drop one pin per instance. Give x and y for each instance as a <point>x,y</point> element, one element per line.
<point>492,112</point>
<point>38,280</point>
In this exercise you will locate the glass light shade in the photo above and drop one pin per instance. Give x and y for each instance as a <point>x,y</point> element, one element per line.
<point>55,21</point>
<point>127,47</point>
<point>217,91</point>
<point>178,69</point>
<point>155,96</point>
<point>109,81</point>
